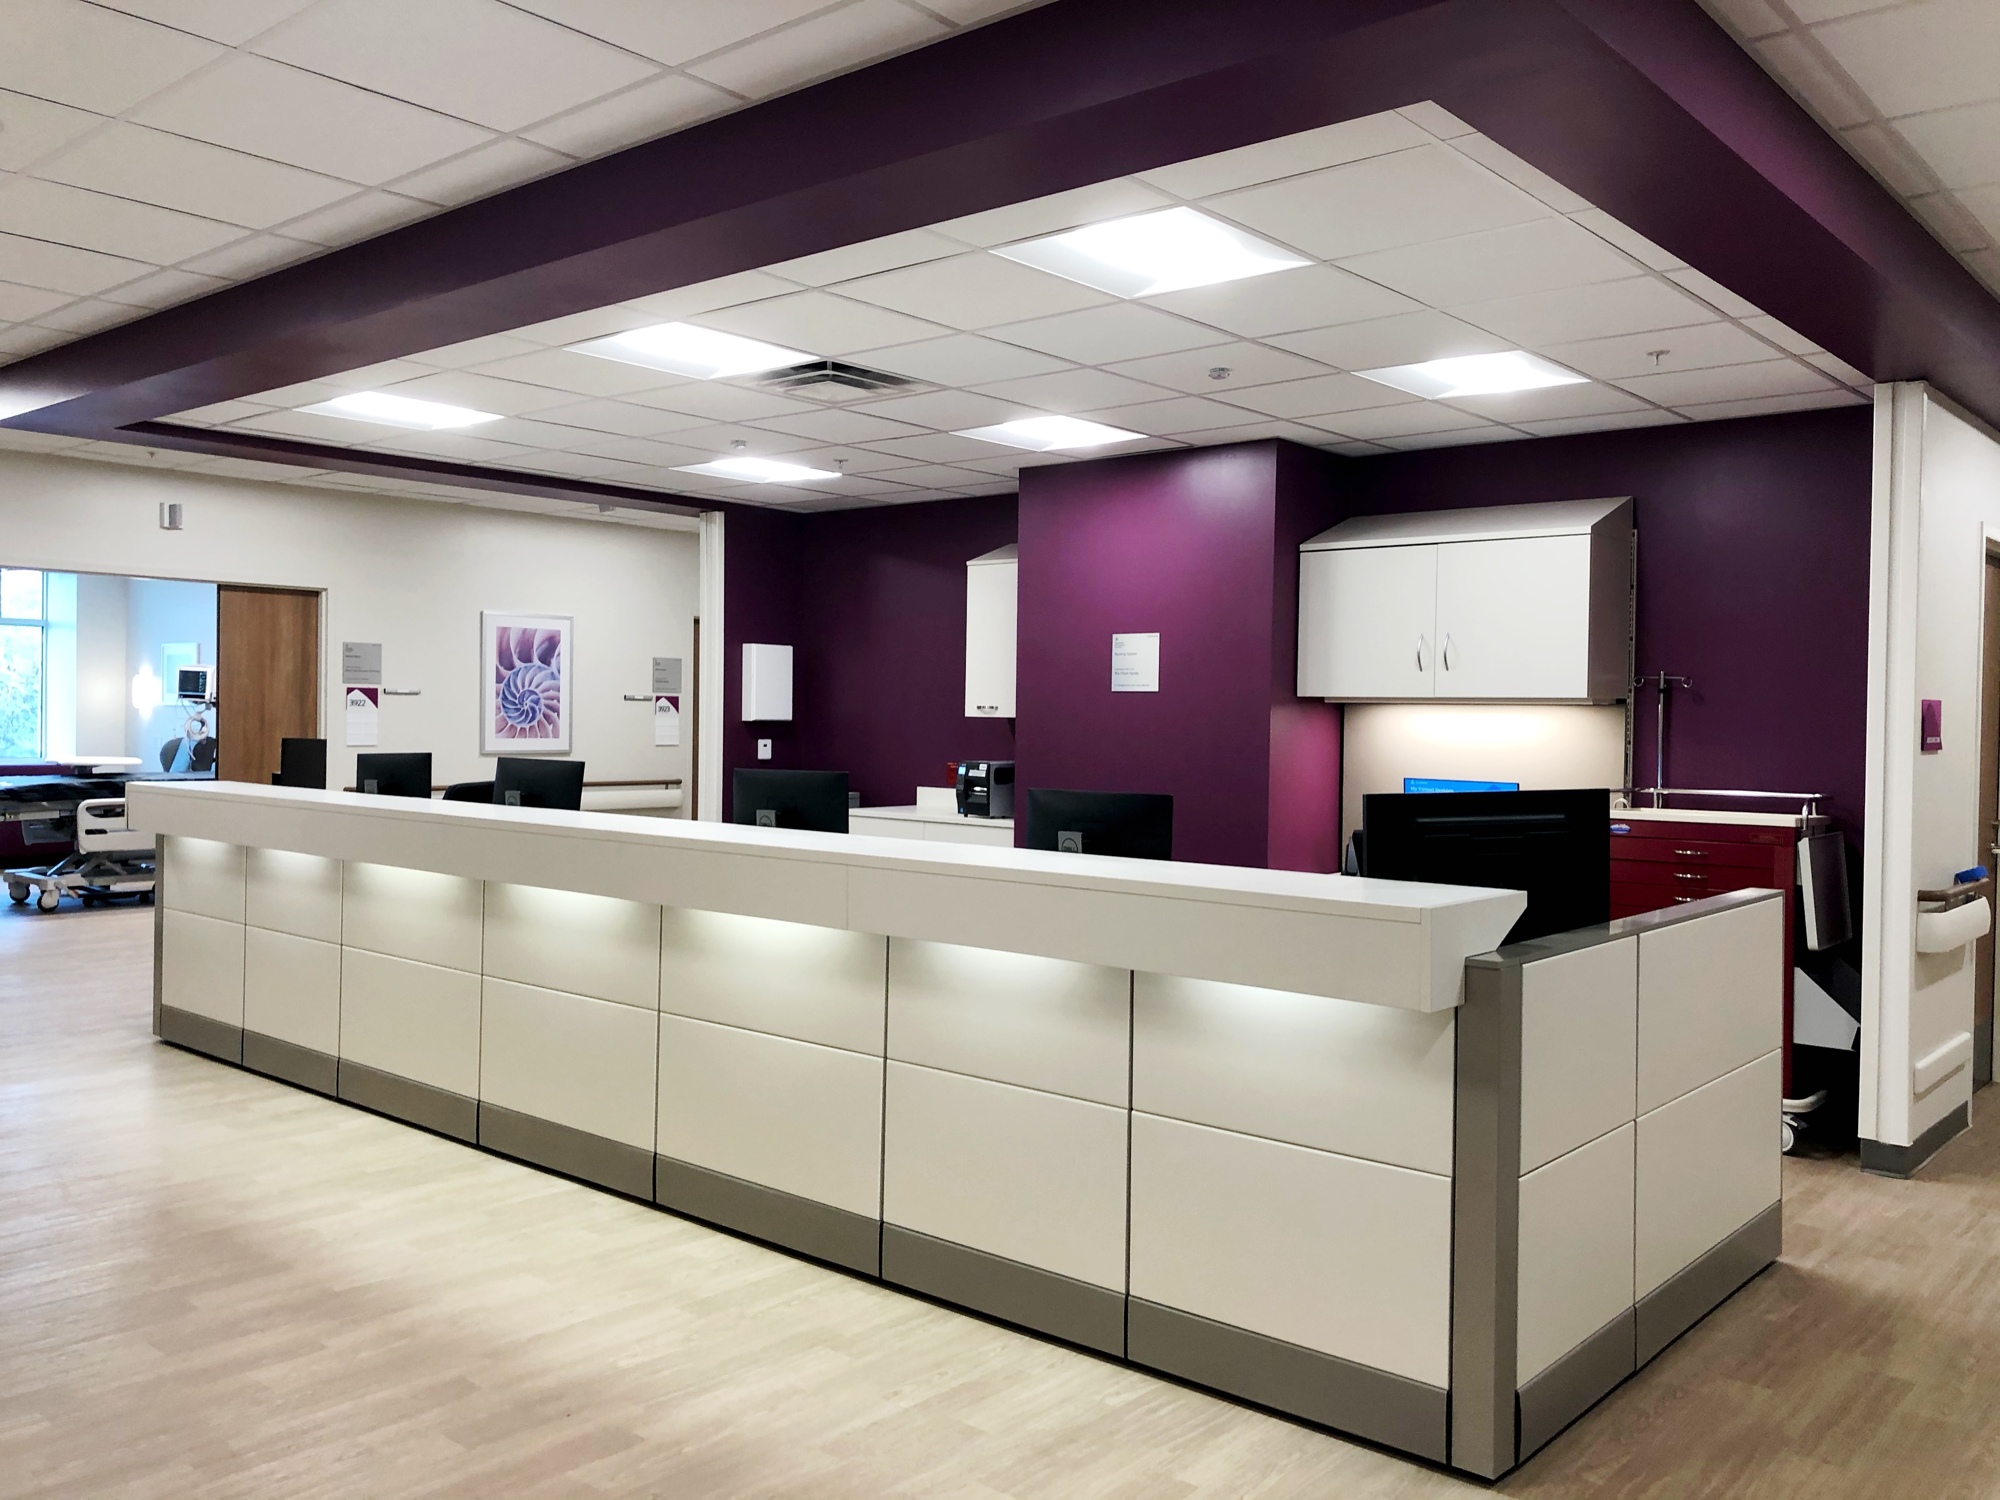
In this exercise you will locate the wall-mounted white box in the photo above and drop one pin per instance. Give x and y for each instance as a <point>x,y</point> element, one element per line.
<point>767,682</point>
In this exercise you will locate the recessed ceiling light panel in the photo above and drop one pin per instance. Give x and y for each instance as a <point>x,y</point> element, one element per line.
<point>758,470</point>
<point>1051,434</point>
<point>1475,375</point>
<point>400,411</point>
<point>1169,250</point>
<point>699,353</point>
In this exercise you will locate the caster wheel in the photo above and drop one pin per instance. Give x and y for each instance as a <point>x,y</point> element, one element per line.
<point>50,900</point>
<point>1788,1137</point>
<point>88,900</point>
<point>18,894</point>
<point>145,898</point>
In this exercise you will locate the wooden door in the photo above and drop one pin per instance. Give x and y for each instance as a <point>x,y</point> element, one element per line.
<point>1989,812</point>
<point>266,677</point>
<point>1367,622</point>
<point>1513,618</point>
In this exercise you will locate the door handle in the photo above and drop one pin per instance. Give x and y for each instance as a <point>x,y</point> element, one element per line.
<point>1420,651</point>
<point>1447,650</point>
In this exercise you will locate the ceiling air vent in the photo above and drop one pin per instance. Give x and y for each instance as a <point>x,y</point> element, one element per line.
<point>830,380</point>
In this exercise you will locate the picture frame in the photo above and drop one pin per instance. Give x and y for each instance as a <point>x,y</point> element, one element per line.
<point>525,664</point>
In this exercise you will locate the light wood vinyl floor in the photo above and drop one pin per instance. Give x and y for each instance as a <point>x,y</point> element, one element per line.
<point>216,1286</point>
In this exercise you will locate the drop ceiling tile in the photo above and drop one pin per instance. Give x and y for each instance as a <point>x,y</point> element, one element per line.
<point>705,296</point>
<point>839,426</point>
<point>852,459</point>
<point>1286,302</point>
<point>961,359</point>
<point>1408,339</point>
<point>1177,417</point>
<point>231,22</point>
<point>249,468</point>
<point>220,412</point>
<point>476,352</point>
<point>1694,348</point>
<point>193,176</point>
<point>656,107</point>
<point>1630,241</point>
<point>1748,18</point>
<point>720,401</point>
<point>1100,335</point>
<point>620,418</point>
<point>482,172</point>
<point>1826,89</point>
<point>1645,416</point>
<point>947,411</point>
<point>1763,406</point>
<point>1075,390</point>
<point>1530,179</point>
<point>88,315</point>
<point>251,256</point>
<point>21,304</point>
<point>1546,255</point>
<point>939,448</point>
<point>1457,439</point>
<point>533,432</point>
<point>62,268</point>
<point>91,58</point>
<point>1435,119</point>
<point>819,46</point>
<point>1839,369</point>
<point>1411,419</point>
<point>939,477</point>
<point>1256,432</point>
<point>580,466</point>
<point>696,446</point>
<point>31,128</point>
<point>819,323</point>
<point>1317,397</point>
<point>1602,310</point>
<point>461,446</point>
<point>1588,400</point>
<point>1962,146</point>
<point>1058,211</point>
<point>19,340</point>
<point>1288,156</point>
<point>889,253</point>
<point>97,221</point>
<point>1910,58</point>
<point>312,425</point>
<point>1770,377</point>
<point>362,216</point>
<point>1715,293</point>
<point>1884,148</point>
<point>581,374</point>
<point>974,291</point>
<point>1244,365</point>
<point>1406,198</point>
<point>1788,339</point>
<point>672,31</point>
<point>164,288</point>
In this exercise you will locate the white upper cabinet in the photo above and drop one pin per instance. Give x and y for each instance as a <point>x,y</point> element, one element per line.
<point>991,589</point>
<point>1518,602</point>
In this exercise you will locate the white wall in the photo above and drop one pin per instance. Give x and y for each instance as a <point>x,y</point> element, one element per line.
<point>103,682</point>
<point>412,574</point>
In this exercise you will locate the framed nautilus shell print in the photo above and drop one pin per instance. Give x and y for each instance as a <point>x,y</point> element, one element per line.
<point>525,685</point>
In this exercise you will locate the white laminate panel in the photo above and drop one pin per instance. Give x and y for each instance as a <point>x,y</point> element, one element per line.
<point>816,984</point>
<point>1033,1177</point>
<point>1708,1163</point>
<point>291,989</point>
<point>414,1020</point>
<point>588,1064</point>
<point>1042,1023</point>
<point>204,877</point>
<point>884,828</point>
<point>578,944</point>
<point>968,832</point>
<point>1711,997</point>
<point>1352,1258</point>
<point>1579,1048</point>
<point>414,914</point>
<point>295,893</point>
<point>201,966</point>
<point>1575,1269</point>
<point>1362,1080</point>
<point>790,1115</point>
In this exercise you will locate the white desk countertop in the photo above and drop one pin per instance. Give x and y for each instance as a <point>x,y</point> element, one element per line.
<point>925,813</point>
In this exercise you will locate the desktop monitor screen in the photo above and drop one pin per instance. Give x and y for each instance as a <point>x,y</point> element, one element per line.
<point>1556,846</point>
<point>195,684</point>
<point>520,782</point>
<point>302,763</point>
<point>812,800</point>
<point>1136,825</point>
<point>1450,784</point>
<point>400,775</point>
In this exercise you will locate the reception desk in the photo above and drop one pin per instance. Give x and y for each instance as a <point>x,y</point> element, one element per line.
<point>1304,1139</point>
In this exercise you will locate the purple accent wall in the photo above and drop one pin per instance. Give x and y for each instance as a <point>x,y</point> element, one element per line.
<point>762,552</point>
<point>1753,580</point>
<point>1303,816</point>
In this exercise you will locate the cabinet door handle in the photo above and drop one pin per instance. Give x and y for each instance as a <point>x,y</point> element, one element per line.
<point>1688,875</point>
<point>1420,651</point>
<point>1447,650</point>
<point>1692,853</point>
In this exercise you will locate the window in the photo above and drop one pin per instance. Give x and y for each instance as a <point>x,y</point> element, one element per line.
<point>23,631</point>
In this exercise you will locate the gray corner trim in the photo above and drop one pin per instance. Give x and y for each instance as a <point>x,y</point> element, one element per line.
<point>1885,1160</point>
<point>200,1034</point>
<point>1578,1381</point>
<point>1696,1290</point>
<point>1369,1403</point>
<point>820,1230</point>
<point>159,931</point>
<point>1486,1214</point>
<point>1982,1052</point>
<point>562,1148</point>
<point>290,1063</point>
<point>1060,1306</point>
<point>407,1100</point>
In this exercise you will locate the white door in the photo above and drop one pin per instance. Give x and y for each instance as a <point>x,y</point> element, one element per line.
<point>1367,623</point>
<point>990,593</point>
<point>1513,618</point>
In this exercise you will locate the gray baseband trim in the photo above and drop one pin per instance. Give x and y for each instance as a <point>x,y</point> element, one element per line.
<point>288,1062</point>
<point>1337,1393</point>
<point>1885,1160</point>
<point>574,1153</point>
<point>199,1034</point>
<point>1060,1306</point>
<point>1982,1052</point>
<point>406,1099</point>
<point>1578,1381</point>
<point>816,1229</point>
<point>1690,1294</point>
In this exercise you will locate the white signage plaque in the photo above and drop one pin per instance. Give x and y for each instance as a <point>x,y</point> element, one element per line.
<point>1135,663</point>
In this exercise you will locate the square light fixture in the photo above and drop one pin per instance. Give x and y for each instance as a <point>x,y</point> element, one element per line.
<point>758,470</point>
<point>1051,434</point>
<point>400,411</point>
<point>1475,375</point>
<point>1168,250</point>
<point>699,353</point>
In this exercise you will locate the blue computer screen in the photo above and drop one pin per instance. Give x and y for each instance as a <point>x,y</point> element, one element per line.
<point>1444,784</point>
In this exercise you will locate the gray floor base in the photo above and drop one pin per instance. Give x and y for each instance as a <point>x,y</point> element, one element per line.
<point>1092,1316</point>
<point>1372,1404</point>
<point>1684,1299</point>
<point>816,1229</point>
<point>418,1103</point>
<point>1885,1160</point>
<point>290,1063</point>
<point>1576,1382</point>
<point>200,1034</point>
<point>574,1153</point>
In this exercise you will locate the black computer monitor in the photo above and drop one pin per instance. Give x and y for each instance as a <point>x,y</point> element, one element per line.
<point>1136,825</point>
<point>302,763</point>
<point>520,782</point>
<point>815,800</point>
<point>1556,846</point>
<point>405,774</point>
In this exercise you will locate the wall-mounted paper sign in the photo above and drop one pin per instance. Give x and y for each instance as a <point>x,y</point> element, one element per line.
<point>364,715</point>
<point>1135,663</point>
<point>666,676</point>
<point>361,663</point>
<point>1932,726</point>
<point>666,718</point>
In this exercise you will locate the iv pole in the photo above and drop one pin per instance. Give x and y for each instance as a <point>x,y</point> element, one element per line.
<point>1665,685</point>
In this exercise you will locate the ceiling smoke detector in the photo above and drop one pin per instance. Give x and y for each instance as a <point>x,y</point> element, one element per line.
<point>833,380</point>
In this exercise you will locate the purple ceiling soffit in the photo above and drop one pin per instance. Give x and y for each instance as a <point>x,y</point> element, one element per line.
<point>1643,106</point>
